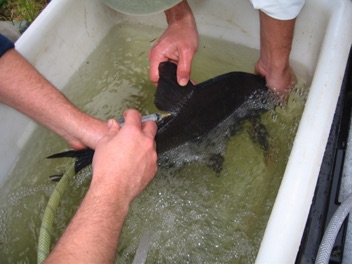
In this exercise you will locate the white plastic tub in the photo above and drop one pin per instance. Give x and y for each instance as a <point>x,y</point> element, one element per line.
<point>67,31</point>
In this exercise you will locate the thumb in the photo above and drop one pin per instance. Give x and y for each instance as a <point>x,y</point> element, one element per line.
<point>113,126</point>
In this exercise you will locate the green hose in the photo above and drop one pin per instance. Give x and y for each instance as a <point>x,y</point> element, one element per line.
<point>49,215</point>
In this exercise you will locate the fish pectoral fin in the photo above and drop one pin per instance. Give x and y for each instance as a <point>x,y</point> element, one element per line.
<point>84,157</point>
<point>72,153</point>
<point>64,154</point>
<point>215,162</point>
<point>56,178</point>
<point>259,133</point>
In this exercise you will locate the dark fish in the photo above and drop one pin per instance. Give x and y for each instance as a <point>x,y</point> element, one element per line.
<point>197,109</point>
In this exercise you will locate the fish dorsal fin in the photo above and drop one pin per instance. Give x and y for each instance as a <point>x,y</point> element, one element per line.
<point>169,95</point>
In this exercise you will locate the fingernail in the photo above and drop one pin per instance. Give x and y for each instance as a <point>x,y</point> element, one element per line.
<point>110,123</point>
<point>183,82</point>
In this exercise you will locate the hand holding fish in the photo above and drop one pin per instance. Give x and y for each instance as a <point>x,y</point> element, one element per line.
<point>177,44</point>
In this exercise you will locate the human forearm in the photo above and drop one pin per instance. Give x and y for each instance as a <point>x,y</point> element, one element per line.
<point>25,89</point>
<point>93,233</point>
<point>276,40</point>
<point>275,47</point>
<point>180,14</point>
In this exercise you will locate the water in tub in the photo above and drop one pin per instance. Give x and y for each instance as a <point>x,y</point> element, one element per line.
<point>193,214</point>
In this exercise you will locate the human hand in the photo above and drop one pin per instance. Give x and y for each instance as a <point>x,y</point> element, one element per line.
<point>125,158</point>
<point>280,81</point>
<point>178,44</point>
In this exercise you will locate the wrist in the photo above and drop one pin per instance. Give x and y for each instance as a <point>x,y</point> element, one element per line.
<point>110,193</point>
<point>180,14</point>
<point>93,130</point>
<point>84,131</point>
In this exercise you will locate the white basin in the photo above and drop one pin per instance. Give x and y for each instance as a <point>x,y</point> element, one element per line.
<point>66,32</point>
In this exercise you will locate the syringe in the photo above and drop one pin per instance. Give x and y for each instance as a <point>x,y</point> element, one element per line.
<point>157,117</point>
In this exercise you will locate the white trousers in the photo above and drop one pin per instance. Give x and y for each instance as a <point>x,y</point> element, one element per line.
<point>279,9</point>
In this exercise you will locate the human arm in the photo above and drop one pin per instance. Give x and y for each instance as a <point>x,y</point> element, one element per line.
<point>178,43</point>
<point>277,22</point>
<point>124,163</point>
<point>275,47</point>
<point>23,88</point>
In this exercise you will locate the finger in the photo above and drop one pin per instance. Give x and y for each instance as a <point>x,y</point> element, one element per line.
<point>154,72</point>
<point>113,129</point>
<point>132,118</point>
<point>154,67</point>
<point>113,126</point>
<point>149,128</point>
<point>184,67</point>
